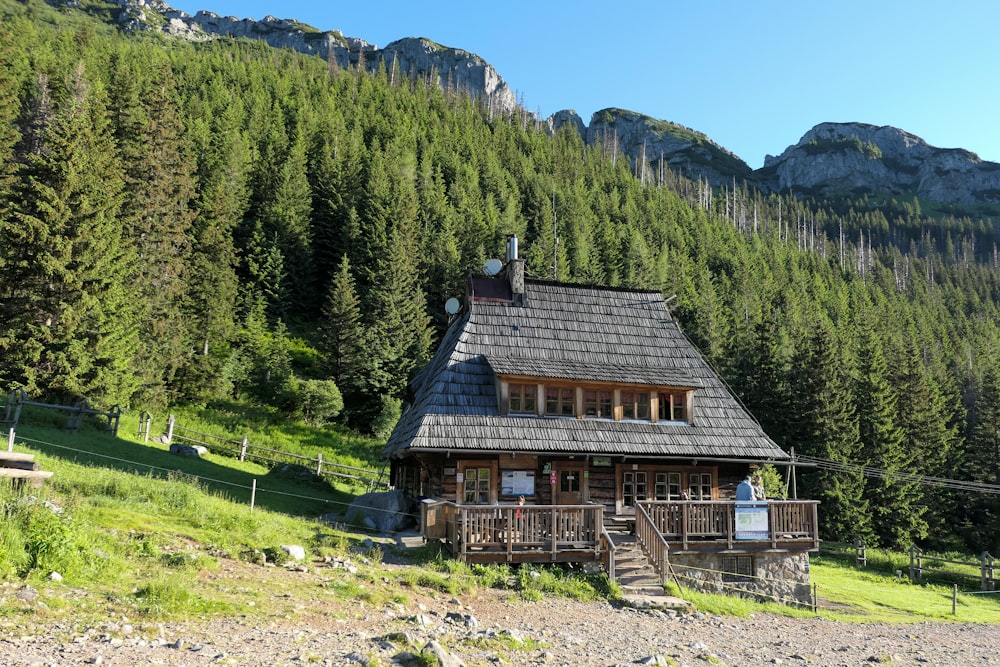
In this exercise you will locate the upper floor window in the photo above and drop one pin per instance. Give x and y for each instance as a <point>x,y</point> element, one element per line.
<point>597,403</point>
<point>671,407</point>
<point>522,399</point>
<point>559,401</point>
<point>635,405</point>
<point>613,401</point>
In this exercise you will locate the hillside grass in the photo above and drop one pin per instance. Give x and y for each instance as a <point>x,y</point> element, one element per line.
<point>136,531</point>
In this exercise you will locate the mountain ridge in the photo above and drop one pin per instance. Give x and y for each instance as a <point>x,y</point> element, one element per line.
<point>832,159</point>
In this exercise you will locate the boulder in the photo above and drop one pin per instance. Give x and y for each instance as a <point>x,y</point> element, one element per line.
<point>386,511</point>
<point>188,450</point>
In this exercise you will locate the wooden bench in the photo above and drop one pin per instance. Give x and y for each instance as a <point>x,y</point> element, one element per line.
<point>21,467</point>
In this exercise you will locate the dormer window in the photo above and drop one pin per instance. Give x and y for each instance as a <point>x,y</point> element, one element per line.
<point>598,403</point>
<point>522,399</point>
<point>524,396</point>
<point>672,407</point>
<point>559,401</point>
<point>635,405</point>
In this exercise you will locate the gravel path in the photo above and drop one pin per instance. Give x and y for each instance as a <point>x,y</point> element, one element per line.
<point>488,628</point>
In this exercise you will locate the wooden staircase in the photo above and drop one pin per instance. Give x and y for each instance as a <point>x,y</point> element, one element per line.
<point>637,578</point>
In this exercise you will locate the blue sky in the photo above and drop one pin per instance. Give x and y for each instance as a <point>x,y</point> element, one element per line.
<point>752,75</point>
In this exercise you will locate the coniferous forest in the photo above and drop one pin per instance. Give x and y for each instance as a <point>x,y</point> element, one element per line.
<point>192,223</point>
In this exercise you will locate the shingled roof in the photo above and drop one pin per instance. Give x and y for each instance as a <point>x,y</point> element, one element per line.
<point>570,332</point>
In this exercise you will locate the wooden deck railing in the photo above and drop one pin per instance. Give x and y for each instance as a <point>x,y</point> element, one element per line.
<point>652,543</point>
<point>687,521</point>
<point>528,530</point>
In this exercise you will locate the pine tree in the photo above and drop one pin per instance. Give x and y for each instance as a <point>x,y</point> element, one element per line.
<point>159,211</point>
<point>982,464</point>
<point>341,335</point>
<point>895,498</point>
<point>825,427</point>
<point>73,319</point>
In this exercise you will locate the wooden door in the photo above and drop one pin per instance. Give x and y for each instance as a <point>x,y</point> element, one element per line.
<point>570,484</point>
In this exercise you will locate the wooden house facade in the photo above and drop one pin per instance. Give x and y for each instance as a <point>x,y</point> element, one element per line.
<point>581,402</point>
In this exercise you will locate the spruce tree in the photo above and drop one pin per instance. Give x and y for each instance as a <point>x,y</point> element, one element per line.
<point>982,464</point>
<point>341,335</point>
<point>826,428</point>
<point>158,210</point>
<point>74,325</point>
<point>894,496</point>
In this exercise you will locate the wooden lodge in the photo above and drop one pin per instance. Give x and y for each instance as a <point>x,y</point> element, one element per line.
<point>591,405</point>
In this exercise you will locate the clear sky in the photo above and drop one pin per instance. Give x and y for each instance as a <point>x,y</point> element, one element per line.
<point>753,75</point>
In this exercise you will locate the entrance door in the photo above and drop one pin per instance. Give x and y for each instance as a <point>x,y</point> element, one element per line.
<point>569,485</point>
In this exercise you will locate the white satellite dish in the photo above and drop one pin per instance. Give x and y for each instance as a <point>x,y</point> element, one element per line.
<point>493,267</point>
<point>452,305</point>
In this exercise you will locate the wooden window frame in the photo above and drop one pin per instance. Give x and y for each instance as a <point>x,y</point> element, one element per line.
<point>602,403</point>
<point>492,478</point>
<point>565,401</point>
<point>594,400</point>
<point>518,392</point>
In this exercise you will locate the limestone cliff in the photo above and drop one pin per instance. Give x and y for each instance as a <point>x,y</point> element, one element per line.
<point>454,69</point>
<point>831,160</point>
<point>835,159</point>
<point>658,143</point>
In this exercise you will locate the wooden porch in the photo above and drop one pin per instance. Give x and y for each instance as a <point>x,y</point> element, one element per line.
<point>576,533</point>
<point>517,534</point>
<point>727,525</point>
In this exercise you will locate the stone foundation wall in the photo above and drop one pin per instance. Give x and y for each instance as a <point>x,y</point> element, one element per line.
<point>778,577</point>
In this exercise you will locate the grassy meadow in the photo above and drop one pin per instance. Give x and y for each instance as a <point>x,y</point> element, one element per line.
<point>134,530</point>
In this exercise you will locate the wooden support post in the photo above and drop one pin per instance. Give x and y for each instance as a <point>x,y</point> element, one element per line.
<point>243,447</point>
<point>987,580</point>
<point>954,599</point>
<point>916,564</point>
<point>170,428</point>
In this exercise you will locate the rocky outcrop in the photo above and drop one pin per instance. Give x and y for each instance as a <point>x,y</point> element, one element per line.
<point>831,160</point>
<point>838,159</point>
<point>412,57</point>
<point>657,143</point>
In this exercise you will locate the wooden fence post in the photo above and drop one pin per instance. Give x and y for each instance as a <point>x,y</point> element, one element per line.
<point>986,571</point>
<point>146,423</point>
<point>170,429</point>
<point>860,552</point>
<point>243,447</point>
<point>319,464</point>
<point>916,563</point>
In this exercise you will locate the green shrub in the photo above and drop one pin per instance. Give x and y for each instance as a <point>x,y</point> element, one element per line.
<point>319,401</point>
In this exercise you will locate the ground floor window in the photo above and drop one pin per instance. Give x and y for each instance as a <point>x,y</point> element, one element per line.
<point>737,569</point>
<point>633,488</point>
<point>668,486</point>
<point>476,486</point>
<point>700,486</point>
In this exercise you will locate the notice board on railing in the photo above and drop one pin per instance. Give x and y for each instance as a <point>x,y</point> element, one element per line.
<point>751,521</point>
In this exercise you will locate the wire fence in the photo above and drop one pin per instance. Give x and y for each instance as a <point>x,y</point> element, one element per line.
<point>243,450</point>
<point>252,489</point>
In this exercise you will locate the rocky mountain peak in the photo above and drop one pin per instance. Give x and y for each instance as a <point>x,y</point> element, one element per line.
<point>836,159</point>
<point>455,69</point>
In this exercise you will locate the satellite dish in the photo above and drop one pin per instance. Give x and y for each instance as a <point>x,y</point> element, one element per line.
<point>451,306</point>
<point>493,267</point>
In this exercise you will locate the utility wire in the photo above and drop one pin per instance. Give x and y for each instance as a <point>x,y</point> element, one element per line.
<point>881,473</point>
